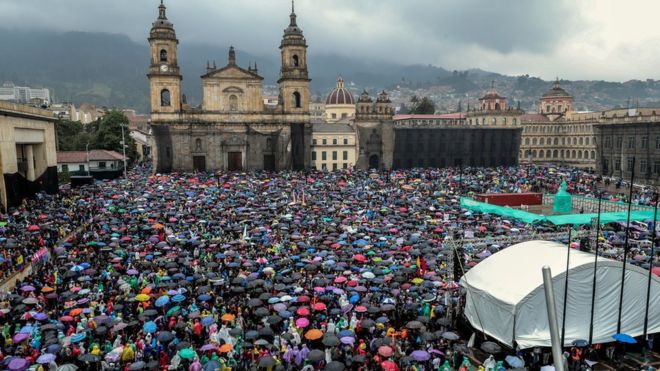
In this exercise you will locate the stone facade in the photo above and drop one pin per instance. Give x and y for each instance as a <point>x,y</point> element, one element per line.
<point>233,129</point>
<point>624,141</point>
<point>334,146</point>
<point>28,160</point>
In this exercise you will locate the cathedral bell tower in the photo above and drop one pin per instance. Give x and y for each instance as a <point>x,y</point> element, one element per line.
<point>164,75</point>
<point>294,79</point>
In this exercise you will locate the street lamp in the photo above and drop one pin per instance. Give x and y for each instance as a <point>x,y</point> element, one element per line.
<point>123,149</point>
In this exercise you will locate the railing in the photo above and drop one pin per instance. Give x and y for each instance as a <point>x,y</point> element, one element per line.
<point>511,239</point>
<point>589,204</point>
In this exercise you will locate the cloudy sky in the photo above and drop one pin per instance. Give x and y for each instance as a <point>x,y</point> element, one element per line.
<point>586,39</point>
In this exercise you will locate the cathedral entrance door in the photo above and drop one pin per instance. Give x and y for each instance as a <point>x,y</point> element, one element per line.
<point>374,162</point>
<point>269,162</point>
<point>234,161</point>
<point>199,163</point>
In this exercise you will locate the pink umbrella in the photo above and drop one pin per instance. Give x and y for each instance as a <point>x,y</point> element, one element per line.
<point>302,322</point>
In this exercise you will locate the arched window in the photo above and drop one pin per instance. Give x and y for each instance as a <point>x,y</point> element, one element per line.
<point>295,60</point>
<point>542,141</point>
<point>233,103</point>
<point>581,141</point>
<point>573,155</point>
<point>556,141</point>
<point>593,155</point>
<point>534,153</point>
<point>541,153</point>
<point>555,154</point>
<point>580,155</point>
<point>497,106</point>
<point>163,55</point>
<point>296,100</point>
<point>586,141</point>
<point>526,141</point>
<point>534,141</point>
<point>165,98</point>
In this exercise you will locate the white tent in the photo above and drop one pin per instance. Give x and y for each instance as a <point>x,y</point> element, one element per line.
<point>506,299</point>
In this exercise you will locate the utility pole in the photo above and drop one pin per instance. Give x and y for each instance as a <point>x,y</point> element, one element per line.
<point>87,152</point>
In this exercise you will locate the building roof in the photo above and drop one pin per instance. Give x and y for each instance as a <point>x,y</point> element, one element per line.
<point>340,95</point>
<point>77,157</point>
<point>556,92</point>
<point>445,116</point>
<point>492,93</point>
<point>333,128</point>
<point>533,117</point>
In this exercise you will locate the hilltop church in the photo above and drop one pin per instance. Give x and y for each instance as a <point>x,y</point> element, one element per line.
<point>233,129</point>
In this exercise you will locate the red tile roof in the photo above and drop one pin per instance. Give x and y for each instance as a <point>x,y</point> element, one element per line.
<point>77,157</point>
<point>445,116</point>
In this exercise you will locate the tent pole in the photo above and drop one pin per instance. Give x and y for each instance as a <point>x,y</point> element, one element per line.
<point>593,286</point>
<point>648,286</point>
<point>625,247</point>
<point>568,261</point>
<point>552,319</point>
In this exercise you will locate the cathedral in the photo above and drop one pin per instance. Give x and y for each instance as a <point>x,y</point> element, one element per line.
<point>232,130</point>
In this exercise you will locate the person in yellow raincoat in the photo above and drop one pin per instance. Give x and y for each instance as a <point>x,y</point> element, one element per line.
<point>128,355</point>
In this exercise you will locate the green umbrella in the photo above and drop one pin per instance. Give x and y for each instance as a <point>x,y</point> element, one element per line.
<point>173,310</point>
<point>187,353</point>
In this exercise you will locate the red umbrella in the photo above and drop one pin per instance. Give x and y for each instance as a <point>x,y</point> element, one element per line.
<point>359,258</point>
<point>319,306</point>
<point>33,228</point>
<point>303,299</point>
<point>385,351</point>
<point>389,366</point>
<point>303,311</point>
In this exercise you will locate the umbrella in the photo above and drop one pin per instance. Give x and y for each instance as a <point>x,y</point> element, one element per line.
<point>162,301</point>
<point>490,347</point>
<point>187,353</point>
<point>150,327</point>
<point>266,362</point>
<point>141,297</point>
<point>580,343</point>
<point>420,355</point>
<point>67,367</point>
<point>624,338</point>
<point>17,364</point>
<point>334,366</point>
<point>313,334</point>
<point>226,348</point>
<point>330,340</point>
<point>515,362</point>
<point>227,317</point>
<point>389,366</point>
<point>450,335</point>
<point>316,355</point>
<point>385,351</point>
<point>139,365</point>
<point>87,357</point>
<point>212,365</point>
<point>46,358</point>
<point>165,336</point>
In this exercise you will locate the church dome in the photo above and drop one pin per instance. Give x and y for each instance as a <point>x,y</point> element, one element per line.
<point>340,95</point>
<point>556,92</point>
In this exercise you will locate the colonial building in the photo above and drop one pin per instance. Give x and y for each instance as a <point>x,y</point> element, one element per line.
<point>339,105</point>
<point>232,129</point>
<point>99,163</point>
<point>386,141</point>
<point>628,140</point>
<point>334,146</point>
<point>27,153</point>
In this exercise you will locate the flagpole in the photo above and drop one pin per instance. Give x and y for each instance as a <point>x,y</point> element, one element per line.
<point>648,286</point>
<point>625,247</point>
<point>593,286</point>
<point>568,261</point>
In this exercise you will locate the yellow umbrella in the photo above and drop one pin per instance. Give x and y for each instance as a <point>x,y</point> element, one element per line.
<point>141,297</point>
<point>417,281</point>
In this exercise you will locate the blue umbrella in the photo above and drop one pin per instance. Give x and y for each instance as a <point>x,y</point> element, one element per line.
<point>354,299</point>
<point>346,333</point>
<point>150,327</point>
<point>204,297</point>
<point>162,301</point>
<point>76,338</point>
<point>624,338</point>
<point>178,298</point>
<point>208,321</point>
<point>46,358</point>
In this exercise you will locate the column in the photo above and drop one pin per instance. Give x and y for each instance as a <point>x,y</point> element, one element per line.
<point>29,157</point>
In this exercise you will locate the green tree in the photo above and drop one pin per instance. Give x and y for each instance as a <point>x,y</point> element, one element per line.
<point>425,106</point>
<point>108,136</point>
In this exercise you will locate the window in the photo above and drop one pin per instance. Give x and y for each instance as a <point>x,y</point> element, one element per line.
<point>334,115</point>
<point>334,166</point>
<point>163,55</point>
<point>630,164</point>
<point>324,156</point>
<point>645,142</point>
<point>102,165</point>
<point>643,166</point>
<point>334,155</point>
<point>656,167</point>
<point>619,142</point>
<point>593,155</point>
<point>631,142</point>
<point>345,141</point>
<point>334,141</point>
<point>534,141</point>
<point>344,166</point>
<point>586,140</point>
<point>542,141</point>
<point>295,60</point>
<point>657,142</point>
<point>65,168</point>
<point>198,145</point>
<point>547,108</point>
<point>325,141</point>
<point>526,141</point>
<point>515,121</point>
<point>165,98</point>
<point>81,167</point>
<point>297,100</point>
<point>324,166</point>
<point>313,155</point>
<point>581,141</point>
<point>345,155</point>
<point>559,108</point>
<point>608,142</point>
<point>617,164</point>
<point>606,165</point>
<point>344,115</point>
<point>233,103</point>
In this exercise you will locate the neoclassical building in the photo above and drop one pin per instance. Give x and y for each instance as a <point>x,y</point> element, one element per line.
<point>339,105</point>
<point>232,129</point>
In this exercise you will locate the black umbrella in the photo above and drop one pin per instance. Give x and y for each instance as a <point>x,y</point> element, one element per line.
<point>316,355</point>
<point>165,336</point>
<point>87,357</point>
<point>266,361</point>
<point>139,365</point>
<point>330,340</point>
<point>335,366</point>
<point>490,347</point>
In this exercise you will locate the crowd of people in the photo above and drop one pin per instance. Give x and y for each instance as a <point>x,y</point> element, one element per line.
<point>240,271</point>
